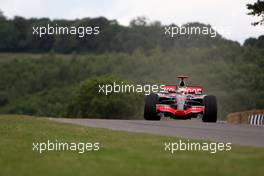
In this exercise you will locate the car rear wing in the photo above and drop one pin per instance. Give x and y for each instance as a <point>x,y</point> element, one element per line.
<point>190,89</point>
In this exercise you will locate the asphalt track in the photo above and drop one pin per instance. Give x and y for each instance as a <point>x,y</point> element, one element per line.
<point>191,129</point>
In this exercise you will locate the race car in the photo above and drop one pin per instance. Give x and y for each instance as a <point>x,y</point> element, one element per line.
<point>181,102</point>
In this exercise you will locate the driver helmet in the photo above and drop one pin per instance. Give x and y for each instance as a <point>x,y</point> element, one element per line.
<point>181,90</point>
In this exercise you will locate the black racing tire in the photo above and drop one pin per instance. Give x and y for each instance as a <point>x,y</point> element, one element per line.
<point>210,109</point>
<point>150,112</point>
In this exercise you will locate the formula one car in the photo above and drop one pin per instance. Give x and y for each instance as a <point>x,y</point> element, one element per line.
<point>181,102</point>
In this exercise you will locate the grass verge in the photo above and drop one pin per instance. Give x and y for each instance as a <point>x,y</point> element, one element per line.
<point>121,153</point>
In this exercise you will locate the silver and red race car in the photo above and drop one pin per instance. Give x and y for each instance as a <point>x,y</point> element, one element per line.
<point>181,102</point>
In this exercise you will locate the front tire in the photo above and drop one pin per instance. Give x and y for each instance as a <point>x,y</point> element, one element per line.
<point>150,112</point>
<point>210,109</point>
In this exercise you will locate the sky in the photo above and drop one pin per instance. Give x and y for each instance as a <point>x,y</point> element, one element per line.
<point>229,17</point>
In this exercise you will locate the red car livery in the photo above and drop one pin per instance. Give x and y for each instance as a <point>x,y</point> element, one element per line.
<point>181,102</point>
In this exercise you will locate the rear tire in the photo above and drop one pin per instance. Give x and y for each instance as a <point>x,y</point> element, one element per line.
<point>210,109</point>
<point>150,112</point>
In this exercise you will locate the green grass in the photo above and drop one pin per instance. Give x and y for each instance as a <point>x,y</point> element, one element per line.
<point>121,153</point>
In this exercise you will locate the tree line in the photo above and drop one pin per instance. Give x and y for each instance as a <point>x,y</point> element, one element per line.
<point>17,36</point>
<point>67,85</point>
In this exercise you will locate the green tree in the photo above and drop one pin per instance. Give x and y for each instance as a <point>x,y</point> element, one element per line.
<point>255,42</point>
<point>89,102</point>
<point>257,9</point>
<point>2,17</point>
